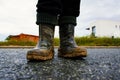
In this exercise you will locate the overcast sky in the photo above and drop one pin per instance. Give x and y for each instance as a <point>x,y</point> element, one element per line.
<point>19,16</point>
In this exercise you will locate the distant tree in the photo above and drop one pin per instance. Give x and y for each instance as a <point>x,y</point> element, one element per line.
<point>8,38</point>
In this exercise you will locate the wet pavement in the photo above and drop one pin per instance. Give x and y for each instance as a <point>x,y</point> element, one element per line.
<point>101,64</point>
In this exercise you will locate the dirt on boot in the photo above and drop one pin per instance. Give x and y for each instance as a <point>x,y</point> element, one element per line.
<point>68,47</point>
<point>44,49</point>
<point>40,55</point>
<point>72,52</point>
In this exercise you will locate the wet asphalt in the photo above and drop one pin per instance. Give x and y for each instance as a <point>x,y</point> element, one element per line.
<point>100,64</point>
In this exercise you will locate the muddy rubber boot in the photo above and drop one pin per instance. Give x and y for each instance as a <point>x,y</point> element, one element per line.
<point>44,49</point>
<point>68,47</point>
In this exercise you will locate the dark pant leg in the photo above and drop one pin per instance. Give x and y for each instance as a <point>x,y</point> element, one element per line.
<point>47,11</point>
<point>70,7</point>
<point>70,11</point>
<point>49,6</point>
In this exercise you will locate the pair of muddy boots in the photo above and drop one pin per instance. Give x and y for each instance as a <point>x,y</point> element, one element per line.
<point>45,48</point>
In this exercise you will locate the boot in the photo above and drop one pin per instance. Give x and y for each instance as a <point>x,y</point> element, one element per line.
<point>68,47</point>
<point>44,49</point>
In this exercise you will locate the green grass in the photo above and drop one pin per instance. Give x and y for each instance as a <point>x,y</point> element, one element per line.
<point>56,41</point>
<point>103,41</point>
<point>17,43</point>
<point>81,41</point>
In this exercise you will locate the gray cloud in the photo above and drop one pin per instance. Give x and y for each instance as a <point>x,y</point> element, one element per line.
<point>104,9</point>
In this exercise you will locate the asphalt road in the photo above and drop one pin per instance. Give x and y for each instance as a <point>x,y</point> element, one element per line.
<point>101,64</point>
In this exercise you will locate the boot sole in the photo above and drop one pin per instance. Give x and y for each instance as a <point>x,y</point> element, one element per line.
<point>37,57</point>
<point>72,55</point>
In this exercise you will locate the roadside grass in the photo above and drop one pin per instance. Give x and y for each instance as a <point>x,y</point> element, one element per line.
<point>101,41</point>
<point>81,41</point>
<point>17,43</point>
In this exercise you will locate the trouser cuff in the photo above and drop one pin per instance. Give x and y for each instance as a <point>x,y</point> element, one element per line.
<point>44,18</point>
<point>67,20</point>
